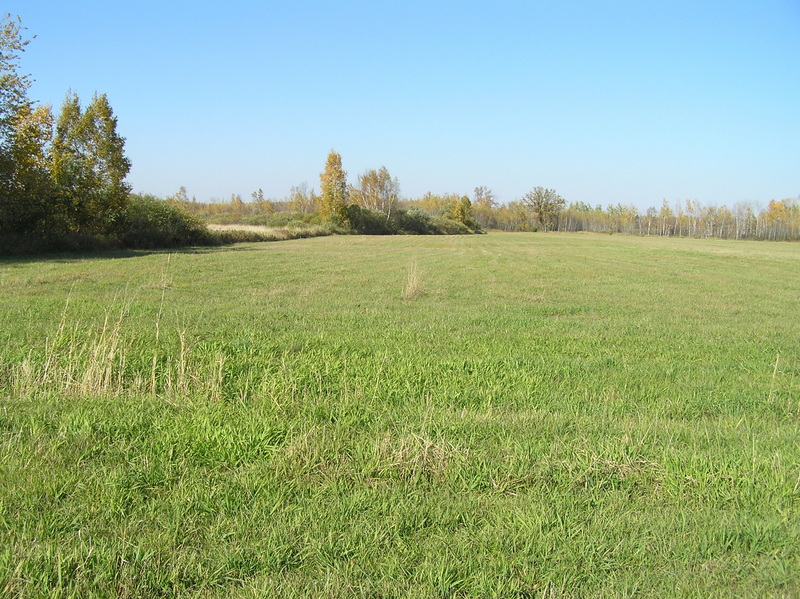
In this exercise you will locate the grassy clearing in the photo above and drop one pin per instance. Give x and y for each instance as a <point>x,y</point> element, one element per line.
<point>555,416</point>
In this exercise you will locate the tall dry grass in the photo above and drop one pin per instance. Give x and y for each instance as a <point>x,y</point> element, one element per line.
<point>413,288</point>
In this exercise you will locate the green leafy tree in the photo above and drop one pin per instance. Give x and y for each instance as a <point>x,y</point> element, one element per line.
<point>27,205</point>
<point>14,111</point>
<point>334,192</point>
<point>546,204</point>
<point>89,165</point>
<point>13,86</point>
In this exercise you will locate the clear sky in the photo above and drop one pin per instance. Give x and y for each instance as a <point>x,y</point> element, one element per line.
<point>629,101</point>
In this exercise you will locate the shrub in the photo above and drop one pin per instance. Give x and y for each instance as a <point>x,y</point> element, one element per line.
<point>448,226</point>
<point>369,222</point>
<point>415,221</point>
<point>150,223</point>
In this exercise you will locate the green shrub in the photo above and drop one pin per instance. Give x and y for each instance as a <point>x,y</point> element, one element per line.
<point>370,222</point>
<point>415,221</point>
<point>448,226</point>
<point>152,223</point>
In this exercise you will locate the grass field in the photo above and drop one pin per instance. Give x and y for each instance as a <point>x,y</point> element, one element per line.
<point>509,415</point>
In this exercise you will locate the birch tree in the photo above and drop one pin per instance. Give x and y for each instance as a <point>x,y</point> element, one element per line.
<point>377,191</point>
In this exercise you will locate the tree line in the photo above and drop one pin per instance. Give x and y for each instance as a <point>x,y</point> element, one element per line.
<point>778,221</point>
<point>371,206</point>
<point>541,209</point>
<point>63,182</point>
<point>63,186</point>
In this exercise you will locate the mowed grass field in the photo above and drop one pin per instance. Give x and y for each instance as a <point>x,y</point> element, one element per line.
<point>505,415</point>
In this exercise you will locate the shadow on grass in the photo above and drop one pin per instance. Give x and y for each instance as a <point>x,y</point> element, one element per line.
<point>19,249</point>
<point>82,256</point>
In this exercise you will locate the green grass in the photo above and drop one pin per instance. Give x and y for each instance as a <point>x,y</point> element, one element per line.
<point>543,416</point>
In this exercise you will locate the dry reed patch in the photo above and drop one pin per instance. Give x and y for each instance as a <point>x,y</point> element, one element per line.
<point>236,227</point>
<point>265,233</point>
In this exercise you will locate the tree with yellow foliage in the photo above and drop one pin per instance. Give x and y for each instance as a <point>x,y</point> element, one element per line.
<point>333,183</point>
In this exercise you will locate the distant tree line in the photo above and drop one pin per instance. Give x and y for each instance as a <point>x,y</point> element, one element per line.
<point>541,209</point>
<point>778,221</point>
<point>359,207</point>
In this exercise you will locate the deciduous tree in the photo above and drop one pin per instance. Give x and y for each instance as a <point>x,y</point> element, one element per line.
<point>333,184</point>
<point>89,165</point>
<point>13,85</point>
<point>261,203</point>
<point>13,100</point>
<point>301,200</point>
<point>545,204</point>
<point>484,197</point>
<point>27,198</point>
<point>461,211</point>
<point>376,191</point>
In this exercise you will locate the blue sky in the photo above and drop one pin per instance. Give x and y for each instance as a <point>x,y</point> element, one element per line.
<point>616,101</point>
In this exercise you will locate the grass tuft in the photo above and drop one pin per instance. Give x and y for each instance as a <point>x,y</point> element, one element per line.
<point>413,288</point>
